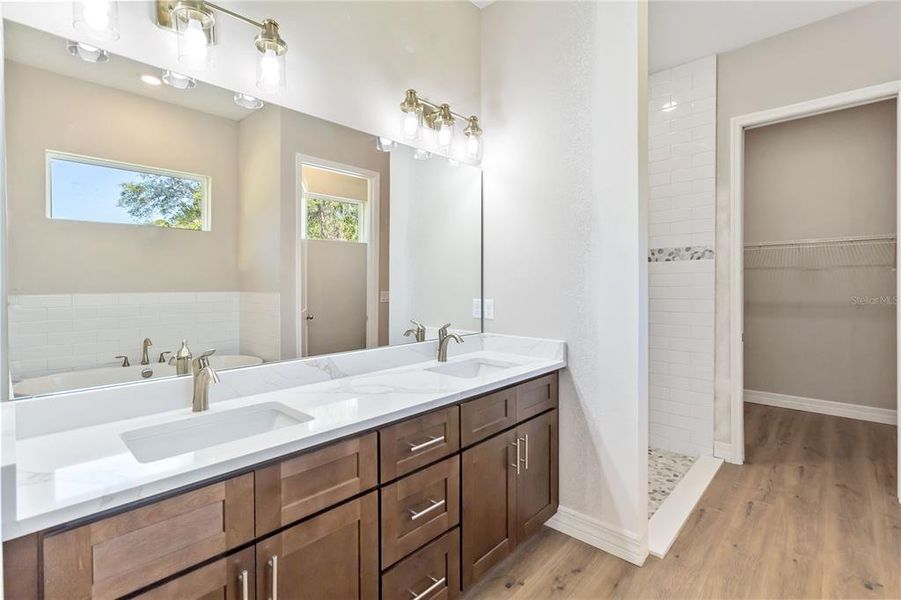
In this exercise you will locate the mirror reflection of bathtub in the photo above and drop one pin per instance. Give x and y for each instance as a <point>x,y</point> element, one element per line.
<point>87,378</point>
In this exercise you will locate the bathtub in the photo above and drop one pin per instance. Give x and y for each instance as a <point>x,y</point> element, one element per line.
<point>87,378</point>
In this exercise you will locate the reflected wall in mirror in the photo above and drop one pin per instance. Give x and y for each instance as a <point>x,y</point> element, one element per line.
<point>143,214</point>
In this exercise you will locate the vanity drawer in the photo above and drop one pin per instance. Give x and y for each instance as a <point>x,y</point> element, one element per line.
<point>298,487</point>
<point>123,553</point>
<point>419,508</point>
<point>230,578</point>
<point>536,396</point>
<point>483,417</point>
<point>431,573</point>
<point>419,441</point>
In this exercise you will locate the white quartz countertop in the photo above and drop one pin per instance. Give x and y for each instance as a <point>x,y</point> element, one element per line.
<point>73,473</point>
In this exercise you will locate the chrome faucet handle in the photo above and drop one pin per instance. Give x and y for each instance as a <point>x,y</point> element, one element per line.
<point>163,356</point>
<point>203,360</point>
<point>125,362</point>
<point>442,331</point>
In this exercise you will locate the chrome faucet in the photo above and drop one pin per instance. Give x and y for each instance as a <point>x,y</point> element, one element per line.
<point>145,357</point>
<point>442,345</point>
<point>442,331</point>
<point>418,332</point>
<point>204,376</point>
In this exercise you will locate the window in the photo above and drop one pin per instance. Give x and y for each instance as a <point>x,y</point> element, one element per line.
<point>333,218</point>
<point>90,189</point>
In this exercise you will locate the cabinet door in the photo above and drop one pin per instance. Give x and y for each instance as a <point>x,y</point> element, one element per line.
<point>536,484</point>
<point>123,553</point>
<point>231,578</point>
<point>489,504</point>
<point>333,555</point>
<point>301,486</point>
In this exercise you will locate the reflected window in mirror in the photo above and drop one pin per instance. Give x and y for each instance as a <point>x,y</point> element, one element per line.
<point>82,188</point>
<point>331,218</point>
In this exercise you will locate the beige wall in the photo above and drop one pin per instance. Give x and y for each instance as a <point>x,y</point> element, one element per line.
<point>831,175</point>
<point>50,111</point>
<point>333,183</point>
<point>851,50</point>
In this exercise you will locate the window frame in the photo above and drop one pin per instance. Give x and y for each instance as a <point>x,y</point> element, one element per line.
<point>362,229</point>
<point>205,180</point>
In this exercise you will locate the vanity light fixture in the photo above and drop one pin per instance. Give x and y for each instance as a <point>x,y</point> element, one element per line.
<point>247,101</point>
<point>178,81</point>
<point>151,80</point>
<point>384,144</point>
<point>420,116</point>
<point>195,23</point>
<point>98,19</point>
<point>87,52</point>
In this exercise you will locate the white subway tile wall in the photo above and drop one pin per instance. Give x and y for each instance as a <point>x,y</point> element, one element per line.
<point>51,333</point>
<point>682,149</point>
<point>260,325</point>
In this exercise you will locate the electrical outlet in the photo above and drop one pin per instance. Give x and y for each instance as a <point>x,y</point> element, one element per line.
<point>489,308</point>
<point>476,308</point>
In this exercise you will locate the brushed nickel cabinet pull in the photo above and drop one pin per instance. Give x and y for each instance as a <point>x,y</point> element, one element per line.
<point>527,451</point>
<point>436,583</point>
<point>518,457</point>
<point>432,441</point>
<point>434,504</point>
<point>273,564</point>
<point>242,579</point>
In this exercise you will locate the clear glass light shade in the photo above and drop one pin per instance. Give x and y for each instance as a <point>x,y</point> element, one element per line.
<point>178,81</point>
<point>384,144</point>
<point>271,71</point>
<point>410,125</point>
<point>87,52</point>
<point>473,147</point>
<point>98,19</point>
<point>445,137</point>
<point>193,44</point>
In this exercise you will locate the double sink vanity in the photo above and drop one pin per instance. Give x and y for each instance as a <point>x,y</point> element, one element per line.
<point>388,474</point>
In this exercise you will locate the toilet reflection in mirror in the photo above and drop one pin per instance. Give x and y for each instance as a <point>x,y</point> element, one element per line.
<point>146,205</point>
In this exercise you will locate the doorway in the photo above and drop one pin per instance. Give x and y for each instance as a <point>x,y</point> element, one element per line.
<point>337,257</point>
<point>814,269</point>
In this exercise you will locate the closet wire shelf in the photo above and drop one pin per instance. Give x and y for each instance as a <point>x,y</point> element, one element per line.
<point>824,253</point>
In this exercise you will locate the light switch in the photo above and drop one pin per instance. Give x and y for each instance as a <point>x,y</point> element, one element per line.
<point>476,308</point>
<point>489,308</point>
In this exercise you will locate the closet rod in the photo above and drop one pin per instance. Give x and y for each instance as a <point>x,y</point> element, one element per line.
<point>823,241</point>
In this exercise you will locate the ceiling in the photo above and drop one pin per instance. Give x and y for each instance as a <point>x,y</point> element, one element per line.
<point>681,31</point>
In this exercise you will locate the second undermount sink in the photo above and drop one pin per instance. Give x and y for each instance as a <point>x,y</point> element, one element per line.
<point>471,368</point>
<point>205,430</point>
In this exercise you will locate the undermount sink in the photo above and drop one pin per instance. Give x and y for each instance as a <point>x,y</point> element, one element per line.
<point>201,431</point>
<point>471,368</point>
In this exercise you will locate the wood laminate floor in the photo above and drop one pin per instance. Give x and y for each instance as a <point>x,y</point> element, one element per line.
<point>813,513</point>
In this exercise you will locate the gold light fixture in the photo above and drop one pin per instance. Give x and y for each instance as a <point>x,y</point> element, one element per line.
<point>420,115</point>
<point>195,23</point>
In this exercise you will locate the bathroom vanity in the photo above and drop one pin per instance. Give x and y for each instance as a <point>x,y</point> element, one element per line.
<point>419,494</point>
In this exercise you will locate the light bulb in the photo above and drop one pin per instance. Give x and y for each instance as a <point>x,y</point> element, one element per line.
<point>96,18</point>
<point>195,49</point>
<point>445,136</point>
<point>411,125</point>
<point>96,14</point>
<point>473,145</point>
<point>270,71</point>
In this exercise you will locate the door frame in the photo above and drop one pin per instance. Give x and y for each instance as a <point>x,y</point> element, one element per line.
<point>738,125</point>
<point>371,209</point>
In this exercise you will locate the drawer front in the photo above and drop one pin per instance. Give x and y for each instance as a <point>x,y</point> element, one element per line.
<point>298,487</point>
<point>483,417</point>
<point>418,508</point>
<point>536,396</point>
<point>125,552</point>
<point>231,578</point>
<point>417,442</point>
<point>431,573</point>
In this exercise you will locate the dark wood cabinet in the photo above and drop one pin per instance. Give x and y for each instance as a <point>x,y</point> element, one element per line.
<point>485,416</point>
<point>432,572</point>
<point>489,503</point>
<point>418,442</point>
<point>230,578</point>
<point>333,555</point>
<point>509,491</point>
<point>535,396</point>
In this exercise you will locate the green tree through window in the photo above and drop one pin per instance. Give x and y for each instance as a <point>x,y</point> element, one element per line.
<point>164,201</point>
<point>329,219</point>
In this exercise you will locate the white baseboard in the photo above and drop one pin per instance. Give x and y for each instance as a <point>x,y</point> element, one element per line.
<point>667,522</point>
<point>823,407</point>
<point>724,450</point>
<point>623,544</point>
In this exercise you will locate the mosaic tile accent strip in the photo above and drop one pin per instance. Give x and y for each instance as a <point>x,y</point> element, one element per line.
<point>680,253</point>
<point>665,469</point>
